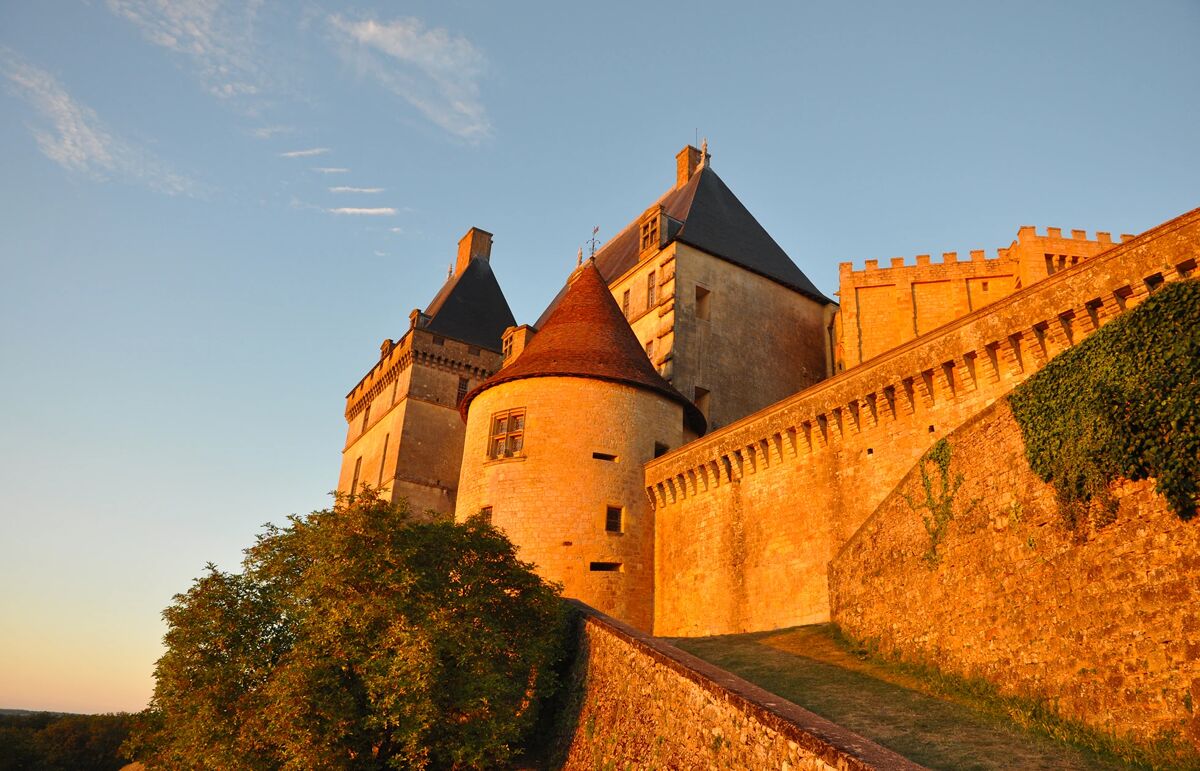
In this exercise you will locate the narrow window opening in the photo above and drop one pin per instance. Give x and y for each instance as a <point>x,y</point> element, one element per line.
<point>1049,264</point>
<point>606,567</point>
<point>870,451</point>
<point>383,459</point>
<point>625,303</point>
<point>354,479</point>
<point>485,514</point>
<point>507,437</point>
<point>931,429</point>
<point>702,302</point>
<point>506,347</point>
<point>613,519</point>
<point>651,285</point>
<point>604,456</point>
<point>463,386</point>
<point>366,418</point>
<point>985,286</point>
<point>650,349</point>
<point>660,449</point>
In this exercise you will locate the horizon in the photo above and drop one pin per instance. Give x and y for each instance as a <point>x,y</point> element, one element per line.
<point>216,214</point>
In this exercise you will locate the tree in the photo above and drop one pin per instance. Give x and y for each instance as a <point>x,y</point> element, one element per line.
<point>358,637</point>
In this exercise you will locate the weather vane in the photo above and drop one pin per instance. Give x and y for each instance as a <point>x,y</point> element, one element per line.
<point>593,242</point>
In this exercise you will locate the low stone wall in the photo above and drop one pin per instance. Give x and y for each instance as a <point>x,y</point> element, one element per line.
<point>645,704</point>
<point>1106,628</point>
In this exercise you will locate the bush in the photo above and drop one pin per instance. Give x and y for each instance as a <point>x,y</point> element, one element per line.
<point>357,637</point>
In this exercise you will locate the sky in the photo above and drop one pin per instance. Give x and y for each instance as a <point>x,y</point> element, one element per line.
<point>213,212</point>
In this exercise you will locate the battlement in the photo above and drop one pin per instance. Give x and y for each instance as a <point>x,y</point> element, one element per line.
<point>1025,235</point>
<point>841,445</point>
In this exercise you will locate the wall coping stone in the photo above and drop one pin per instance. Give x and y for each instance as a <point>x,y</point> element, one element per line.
<point>835,745</point>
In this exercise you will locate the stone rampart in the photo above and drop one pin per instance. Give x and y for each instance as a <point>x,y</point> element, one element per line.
<point>645,704</point>
<point>748,517</point>
<point>1106,628</point>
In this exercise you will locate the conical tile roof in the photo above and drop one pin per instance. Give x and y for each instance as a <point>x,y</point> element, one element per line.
<point>587,336</point>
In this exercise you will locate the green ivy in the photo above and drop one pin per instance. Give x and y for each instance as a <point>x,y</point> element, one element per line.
<point>938,507</point>
<point>1123,404</point>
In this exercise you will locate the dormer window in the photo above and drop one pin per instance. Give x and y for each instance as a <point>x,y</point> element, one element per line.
<point>650,233</point>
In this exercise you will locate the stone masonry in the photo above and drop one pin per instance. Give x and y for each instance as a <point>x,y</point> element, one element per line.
<point>644,704</point>
<point>1106,629</point>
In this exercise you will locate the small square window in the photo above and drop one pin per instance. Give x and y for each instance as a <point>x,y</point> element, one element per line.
<point>613,520</point>
<point>473,350</point>
<point>437,340</point>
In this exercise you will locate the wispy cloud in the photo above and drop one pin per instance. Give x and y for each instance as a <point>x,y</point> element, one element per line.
<point>216,37</point>
<point>434,70</point>
<point>310,152</point>
<point>330,170</point>
<point>396,230</point>
<point>344,189</point>
<point>267,132</point>
<point>74,137</point>
<point>383,211</point>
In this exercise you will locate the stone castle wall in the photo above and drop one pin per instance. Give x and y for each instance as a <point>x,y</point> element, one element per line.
<point>404,434</point>
<point>748,517</point>
<point>1107,630</point>
<point>645,704</point>
<point>882,308</point>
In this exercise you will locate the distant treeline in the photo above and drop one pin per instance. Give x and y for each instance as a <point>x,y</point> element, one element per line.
<point>49,741</point>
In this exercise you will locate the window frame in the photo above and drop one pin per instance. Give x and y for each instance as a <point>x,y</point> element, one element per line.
<point>506,434</point>
<point>609,511</point>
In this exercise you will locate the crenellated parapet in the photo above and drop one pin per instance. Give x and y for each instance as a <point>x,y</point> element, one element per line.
<point>883,307</point>
<point>991,349</point>
<point>752,513</point>
<point>423,347</point>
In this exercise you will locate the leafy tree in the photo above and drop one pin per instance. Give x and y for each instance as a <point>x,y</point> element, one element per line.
<point>358,637</point>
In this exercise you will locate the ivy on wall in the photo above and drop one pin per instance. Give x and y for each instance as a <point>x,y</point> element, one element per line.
<point>1124,403</point>
<point>937,508</point>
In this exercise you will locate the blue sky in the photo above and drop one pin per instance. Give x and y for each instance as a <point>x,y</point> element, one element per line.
<point>214,212</point>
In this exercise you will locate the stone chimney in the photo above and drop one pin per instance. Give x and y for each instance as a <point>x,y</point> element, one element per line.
<point>687,161</point>
<point>475,245</point>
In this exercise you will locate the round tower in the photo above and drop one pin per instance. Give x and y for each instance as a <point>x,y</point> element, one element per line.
<point>555,445</point>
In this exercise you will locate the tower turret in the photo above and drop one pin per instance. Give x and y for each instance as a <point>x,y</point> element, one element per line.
<point>555,445</point>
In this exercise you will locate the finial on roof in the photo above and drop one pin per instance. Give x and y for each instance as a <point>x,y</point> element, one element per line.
<point>704,153</point>
<point>579,258</point>
<point>450,272</point>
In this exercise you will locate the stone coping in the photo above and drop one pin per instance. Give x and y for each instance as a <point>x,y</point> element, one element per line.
<point>835,745</point>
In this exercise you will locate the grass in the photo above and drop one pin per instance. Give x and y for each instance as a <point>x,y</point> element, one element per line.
<point>936,719</point>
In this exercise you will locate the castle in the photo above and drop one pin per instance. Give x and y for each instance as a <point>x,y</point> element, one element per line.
<point>695,440</point>
<point>591,436</point>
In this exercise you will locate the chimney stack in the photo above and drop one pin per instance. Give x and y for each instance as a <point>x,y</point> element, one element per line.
<point>687,161</point>
<point>475,245</point>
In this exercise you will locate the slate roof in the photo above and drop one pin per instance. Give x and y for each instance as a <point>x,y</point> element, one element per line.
<point>707,215</point>
<point>587,336</point>
<point>471,307</point>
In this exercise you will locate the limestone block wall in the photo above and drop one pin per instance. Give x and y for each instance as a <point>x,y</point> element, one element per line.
<point>882,308</point>
<point>404,434</point>
<point>701,343</point>
<point>551,500</point>
<point>1107,629</point>
<point>645,704</point>
<point>749,516</point>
